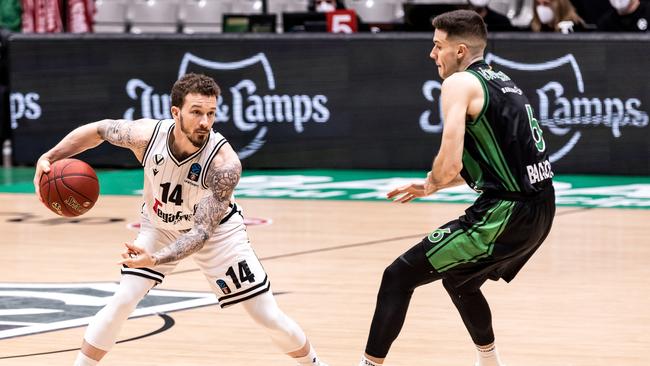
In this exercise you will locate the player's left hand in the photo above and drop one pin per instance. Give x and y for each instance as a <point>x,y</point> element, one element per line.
<point>136,257</point>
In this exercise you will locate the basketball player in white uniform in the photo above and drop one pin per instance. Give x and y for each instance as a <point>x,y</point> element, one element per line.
<point>190,175</point>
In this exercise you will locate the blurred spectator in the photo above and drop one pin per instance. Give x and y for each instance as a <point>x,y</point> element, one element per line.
<point>626,16</point>
<point>79,16</point>
<point>41,16</point>
<point>495,22</point>
<point>556,16</point>
<point>10,13</point>
<point>323,6</point>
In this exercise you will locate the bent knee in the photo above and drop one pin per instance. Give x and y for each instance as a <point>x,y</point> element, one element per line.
<point>394,276</point>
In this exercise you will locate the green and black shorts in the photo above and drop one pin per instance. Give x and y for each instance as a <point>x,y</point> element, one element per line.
<point>494,239</point>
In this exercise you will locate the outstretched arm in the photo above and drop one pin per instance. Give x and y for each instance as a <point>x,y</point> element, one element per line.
<point>133,135</point>
<point>222,179</point>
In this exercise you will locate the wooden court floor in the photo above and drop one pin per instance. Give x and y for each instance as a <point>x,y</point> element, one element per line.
<point>583,300</point>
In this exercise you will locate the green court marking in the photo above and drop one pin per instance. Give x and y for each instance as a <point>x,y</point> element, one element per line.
<point>368,185</point>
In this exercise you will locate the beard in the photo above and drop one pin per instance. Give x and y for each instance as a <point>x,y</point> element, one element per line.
<point>196,140</point>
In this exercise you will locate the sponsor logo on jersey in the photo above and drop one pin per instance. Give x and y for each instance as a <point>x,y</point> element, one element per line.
<point>30,308</point>
<point>155,171</point>
<point>173,217</point>
<point>158,159</point>
<point>195,171</point>
<point>564,108</point>
<point>251,103</point>
<point>223,286</point>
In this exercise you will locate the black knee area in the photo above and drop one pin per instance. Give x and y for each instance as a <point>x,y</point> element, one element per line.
<point>392,303</point>
<point>400,278</point>
<point>395,277</point>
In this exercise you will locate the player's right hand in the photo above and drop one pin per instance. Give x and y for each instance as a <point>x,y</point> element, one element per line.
<point>136,257</point>
<point>42,166</point>
<point>407,193</point>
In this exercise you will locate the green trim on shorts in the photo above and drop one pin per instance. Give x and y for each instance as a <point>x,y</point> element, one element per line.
<point>476,243</point>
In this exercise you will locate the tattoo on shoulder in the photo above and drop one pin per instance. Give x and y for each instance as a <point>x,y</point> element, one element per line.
<point>222,179</point>
<point>122,133</point>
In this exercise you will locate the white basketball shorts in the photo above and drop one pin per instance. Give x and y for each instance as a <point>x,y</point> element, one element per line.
<point>227,259</point>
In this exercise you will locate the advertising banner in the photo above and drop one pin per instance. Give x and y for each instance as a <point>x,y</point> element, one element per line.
<point>330,101</point>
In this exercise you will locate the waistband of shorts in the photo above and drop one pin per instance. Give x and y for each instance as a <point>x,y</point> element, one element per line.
<point>520,196</point>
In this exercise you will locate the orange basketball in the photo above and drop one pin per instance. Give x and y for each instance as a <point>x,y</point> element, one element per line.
<point>70,188</point>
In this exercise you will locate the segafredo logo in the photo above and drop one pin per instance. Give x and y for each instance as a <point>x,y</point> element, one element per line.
<point>563,108</point>
<point>42,307</point>
<point>249,100</point>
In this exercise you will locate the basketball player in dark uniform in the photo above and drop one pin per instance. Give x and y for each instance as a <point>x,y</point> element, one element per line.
<point>492,142</point>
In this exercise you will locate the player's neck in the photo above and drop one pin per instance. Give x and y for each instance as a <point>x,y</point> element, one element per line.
<point>180,146</point>
<point>471,61</point>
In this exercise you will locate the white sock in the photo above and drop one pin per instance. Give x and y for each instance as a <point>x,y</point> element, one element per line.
<point>367,362</point>
<point>488,356</point>
<point>83,360</point>
<point>310,359</point>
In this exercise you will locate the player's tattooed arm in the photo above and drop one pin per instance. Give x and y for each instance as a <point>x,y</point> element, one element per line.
<point>209,212</point>
<point>134,135</point>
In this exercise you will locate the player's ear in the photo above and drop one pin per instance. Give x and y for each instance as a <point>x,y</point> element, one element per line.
<point>176,112</point>
<point>462,50</point>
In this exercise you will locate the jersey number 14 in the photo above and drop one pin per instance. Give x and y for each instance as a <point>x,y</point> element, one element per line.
<point>176,196</point>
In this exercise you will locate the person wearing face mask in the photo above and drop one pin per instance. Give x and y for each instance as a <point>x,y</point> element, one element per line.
<point>495,22</point>
<point>556,16</point>
<point>626,16</point>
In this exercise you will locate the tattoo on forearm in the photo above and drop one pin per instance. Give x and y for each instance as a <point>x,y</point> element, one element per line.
<point>209,213</point>
<point>185,245</point>
<point>121,133</point>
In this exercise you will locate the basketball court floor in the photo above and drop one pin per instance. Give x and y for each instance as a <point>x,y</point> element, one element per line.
<point>324,239</point>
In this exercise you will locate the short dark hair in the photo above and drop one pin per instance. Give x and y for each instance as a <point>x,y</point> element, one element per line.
<point>461,24</point>
<point>193,83</point>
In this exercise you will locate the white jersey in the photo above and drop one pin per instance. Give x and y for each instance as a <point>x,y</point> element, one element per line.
<point>173,188</point>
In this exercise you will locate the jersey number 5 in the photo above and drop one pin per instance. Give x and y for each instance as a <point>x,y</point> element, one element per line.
<point>176,196</point>
<point>535,129</point>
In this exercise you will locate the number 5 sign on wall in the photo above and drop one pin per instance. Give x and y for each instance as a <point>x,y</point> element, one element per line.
<point>342,21</point>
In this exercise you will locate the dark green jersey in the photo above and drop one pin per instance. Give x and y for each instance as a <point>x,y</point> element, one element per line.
<point>504,149</point>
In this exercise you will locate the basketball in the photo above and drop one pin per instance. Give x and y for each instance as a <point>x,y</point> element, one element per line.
<point>70,188</point>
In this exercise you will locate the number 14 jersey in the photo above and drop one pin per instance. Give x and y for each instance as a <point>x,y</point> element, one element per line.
<point>173,188</point>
